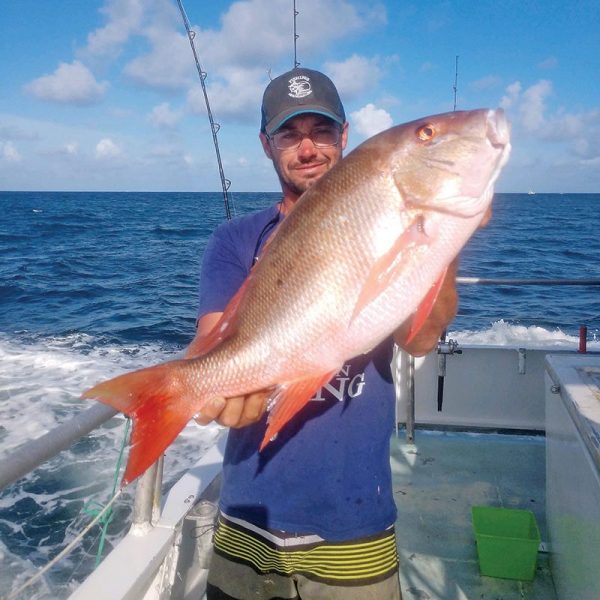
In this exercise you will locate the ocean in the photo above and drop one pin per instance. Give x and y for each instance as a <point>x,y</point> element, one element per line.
<point>94,284</point>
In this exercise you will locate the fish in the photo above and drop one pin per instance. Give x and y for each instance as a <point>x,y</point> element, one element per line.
<point>364,248</point>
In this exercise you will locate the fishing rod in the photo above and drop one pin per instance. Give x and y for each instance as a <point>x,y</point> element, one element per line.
<point>296,36</point>
<point>455,87</point>
<point>225,183</point>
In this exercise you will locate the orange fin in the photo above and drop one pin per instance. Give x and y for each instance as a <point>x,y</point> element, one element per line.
<point>290,398</point>
<point>224,327</point>
<point>154,398</point>
<point>389,265</point>
<point>425,307</point>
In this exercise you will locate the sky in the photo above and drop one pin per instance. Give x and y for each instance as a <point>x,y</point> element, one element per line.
<point>104,95</point>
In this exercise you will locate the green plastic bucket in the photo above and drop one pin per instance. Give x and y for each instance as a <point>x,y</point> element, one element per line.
<point>507,542</point>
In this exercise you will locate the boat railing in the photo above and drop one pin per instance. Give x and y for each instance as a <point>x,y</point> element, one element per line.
<point>32,454</point>
<point>519,282</point>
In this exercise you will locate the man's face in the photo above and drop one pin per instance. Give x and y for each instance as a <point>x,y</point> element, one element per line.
<point>298,168</point>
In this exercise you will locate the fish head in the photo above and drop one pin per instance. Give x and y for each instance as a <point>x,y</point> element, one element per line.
<point>449,163</point>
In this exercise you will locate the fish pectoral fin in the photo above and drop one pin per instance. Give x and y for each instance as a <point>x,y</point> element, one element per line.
<point>425,308</point>
<point>156,400</point>
<point>289,399</point>
<point>225,326</point>
<point>388,266</point>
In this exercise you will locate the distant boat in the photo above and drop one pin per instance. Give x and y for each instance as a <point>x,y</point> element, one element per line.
<point>531,193</point>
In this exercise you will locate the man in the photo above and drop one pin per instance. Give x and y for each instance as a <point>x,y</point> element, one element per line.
<point>312,515</point>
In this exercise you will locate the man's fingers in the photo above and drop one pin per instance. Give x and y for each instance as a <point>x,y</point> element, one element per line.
<point>210,411</point>
<point>254,407</point>
<point>234,412</point>
<point>244,410</point>
<point>230,416</point>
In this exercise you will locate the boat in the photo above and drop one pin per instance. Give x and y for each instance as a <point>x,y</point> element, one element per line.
<point>477,426</point>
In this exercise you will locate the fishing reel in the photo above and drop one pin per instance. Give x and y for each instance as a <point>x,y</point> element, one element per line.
<point>448,347</point>
<point>444,348</point>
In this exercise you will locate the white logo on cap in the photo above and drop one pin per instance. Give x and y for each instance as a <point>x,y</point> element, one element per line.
<point>299,86</point>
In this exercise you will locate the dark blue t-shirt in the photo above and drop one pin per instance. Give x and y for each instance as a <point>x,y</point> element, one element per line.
<point>328,471</point>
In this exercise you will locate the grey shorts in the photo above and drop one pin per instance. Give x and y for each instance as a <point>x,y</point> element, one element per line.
<point>245,566</point>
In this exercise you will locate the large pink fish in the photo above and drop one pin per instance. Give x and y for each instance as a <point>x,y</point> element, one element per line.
<point>361,251</point>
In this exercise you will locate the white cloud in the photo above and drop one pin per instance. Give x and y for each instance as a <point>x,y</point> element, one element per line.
<point>579,133</point>
<point>124,18</point>
<point>592,162</point>
<point>370,120</point>
<point>528,105</point>
<point>163,116</point>
<point>168,65</point>
<point>354,75</point>
<point>106,148</point>
<point>259,32</point>
<point>255,35</point>
<point>69,84</point>
<point>9,153</point>
<point>72,148</point>
<point>532,105</point>
<point>512,94</point>
<point>237,95</point>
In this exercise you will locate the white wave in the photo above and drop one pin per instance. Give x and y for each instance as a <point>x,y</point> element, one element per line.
<point>16,571</point>
<point>502,333</point>
<point>40,385</point>
<point>41,381</point>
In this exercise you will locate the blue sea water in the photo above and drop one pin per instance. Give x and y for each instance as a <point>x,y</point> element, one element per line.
<point>92,284</point>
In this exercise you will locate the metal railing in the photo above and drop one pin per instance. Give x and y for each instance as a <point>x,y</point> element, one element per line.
<point>490,281</point>
<point>17,463</point>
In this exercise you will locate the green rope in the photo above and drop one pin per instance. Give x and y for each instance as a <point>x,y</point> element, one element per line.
<point>94,508</point>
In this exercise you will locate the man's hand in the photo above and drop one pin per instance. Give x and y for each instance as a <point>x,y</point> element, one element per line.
<point>229,412</point>
<point>442,313</point>
<point>234,412</point>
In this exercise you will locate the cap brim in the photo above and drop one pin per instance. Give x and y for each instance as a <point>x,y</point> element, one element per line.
<point>286,115</point>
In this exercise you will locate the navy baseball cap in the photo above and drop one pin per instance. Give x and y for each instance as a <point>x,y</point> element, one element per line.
<point>297,92</point>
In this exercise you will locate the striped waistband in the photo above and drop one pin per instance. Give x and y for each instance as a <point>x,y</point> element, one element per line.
<point>357,562</point>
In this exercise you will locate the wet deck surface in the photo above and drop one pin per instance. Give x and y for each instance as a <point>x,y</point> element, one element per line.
<point>436,482</point>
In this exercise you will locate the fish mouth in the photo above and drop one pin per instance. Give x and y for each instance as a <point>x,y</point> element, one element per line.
<point>498,134</point>
<point>497,128</point>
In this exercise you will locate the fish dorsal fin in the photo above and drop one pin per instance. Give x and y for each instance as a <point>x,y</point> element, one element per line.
<point>225,326</point>
<point>388,266</point>
<point>290,398</point>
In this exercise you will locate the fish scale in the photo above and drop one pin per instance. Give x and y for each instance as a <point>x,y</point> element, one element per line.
<point>358,254</point>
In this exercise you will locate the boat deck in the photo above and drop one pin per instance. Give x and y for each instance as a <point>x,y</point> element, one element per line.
<point>436,482</point>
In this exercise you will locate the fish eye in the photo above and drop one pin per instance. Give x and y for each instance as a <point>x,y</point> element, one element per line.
<point>426,132</point>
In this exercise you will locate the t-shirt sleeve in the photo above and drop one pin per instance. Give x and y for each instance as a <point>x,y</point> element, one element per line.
<point>223,271</point>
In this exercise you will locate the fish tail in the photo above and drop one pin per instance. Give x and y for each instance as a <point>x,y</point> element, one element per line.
<point>156,400</point>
